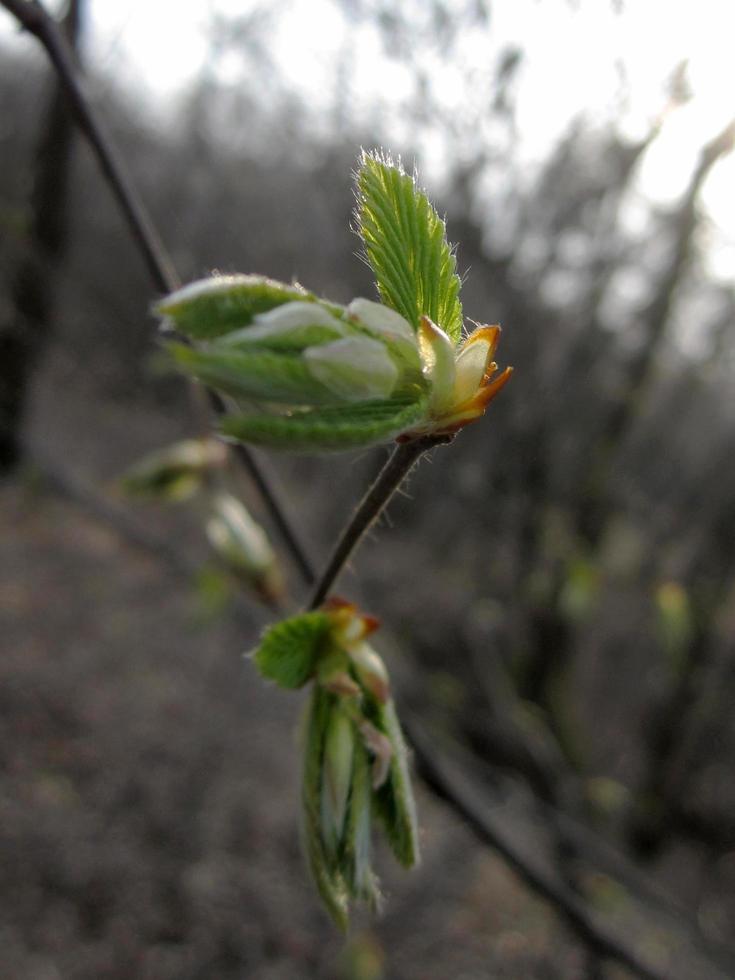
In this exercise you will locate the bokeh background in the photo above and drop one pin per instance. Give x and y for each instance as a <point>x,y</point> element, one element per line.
<point>557,588</point>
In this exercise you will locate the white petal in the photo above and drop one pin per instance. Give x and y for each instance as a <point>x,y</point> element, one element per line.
<point>381,319</point>
<point>437,357</point>
<point>470,367</point>
<point>386,324</point>
<point>355,368</point>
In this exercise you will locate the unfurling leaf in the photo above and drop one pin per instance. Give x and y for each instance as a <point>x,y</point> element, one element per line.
<point>289,651</point>
<point>327,878</point>
<point>332,429</point>
<point>406,246</point>
<point>394,799</point>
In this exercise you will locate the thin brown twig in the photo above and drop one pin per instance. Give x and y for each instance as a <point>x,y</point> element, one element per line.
<point>399,464</point>
<point>33,17</point>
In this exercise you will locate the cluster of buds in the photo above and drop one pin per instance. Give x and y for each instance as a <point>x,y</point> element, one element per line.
<point>355,763</point>
<point>309,375</point>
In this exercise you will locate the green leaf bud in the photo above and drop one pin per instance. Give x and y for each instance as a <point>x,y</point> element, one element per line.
<point>243,546</point>
<point>211,307</point>
<point>176,472</point>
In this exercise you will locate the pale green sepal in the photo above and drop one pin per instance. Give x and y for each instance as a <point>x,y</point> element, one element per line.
<point>258,375</point>
<point>394,801</point>
<point>328,880</point>
<point>356,369</point>
<point>211,307</point>
<point>406,246</point>
<point>288,651</point>
<point>354,426</point>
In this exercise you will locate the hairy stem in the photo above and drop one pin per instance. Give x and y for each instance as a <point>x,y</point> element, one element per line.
<point>32,16</point>
<point>399,464</point>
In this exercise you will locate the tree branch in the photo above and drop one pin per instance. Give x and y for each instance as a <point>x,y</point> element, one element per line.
<point>32,15</point>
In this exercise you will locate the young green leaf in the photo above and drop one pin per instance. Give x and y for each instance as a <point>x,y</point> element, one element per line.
<point>356,861</point>
<point>288,651</point>
<point>354,426</point>
<point>406,246</point>
<point>261,374</point>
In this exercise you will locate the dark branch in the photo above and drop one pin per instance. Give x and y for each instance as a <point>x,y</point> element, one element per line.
<point>32,15</point>
<point>400,463</point>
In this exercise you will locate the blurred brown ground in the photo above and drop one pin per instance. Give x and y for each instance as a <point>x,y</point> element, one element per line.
<point>149,784</point>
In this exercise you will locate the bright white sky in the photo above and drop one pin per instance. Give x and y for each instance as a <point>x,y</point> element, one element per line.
<point>573,60</point>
